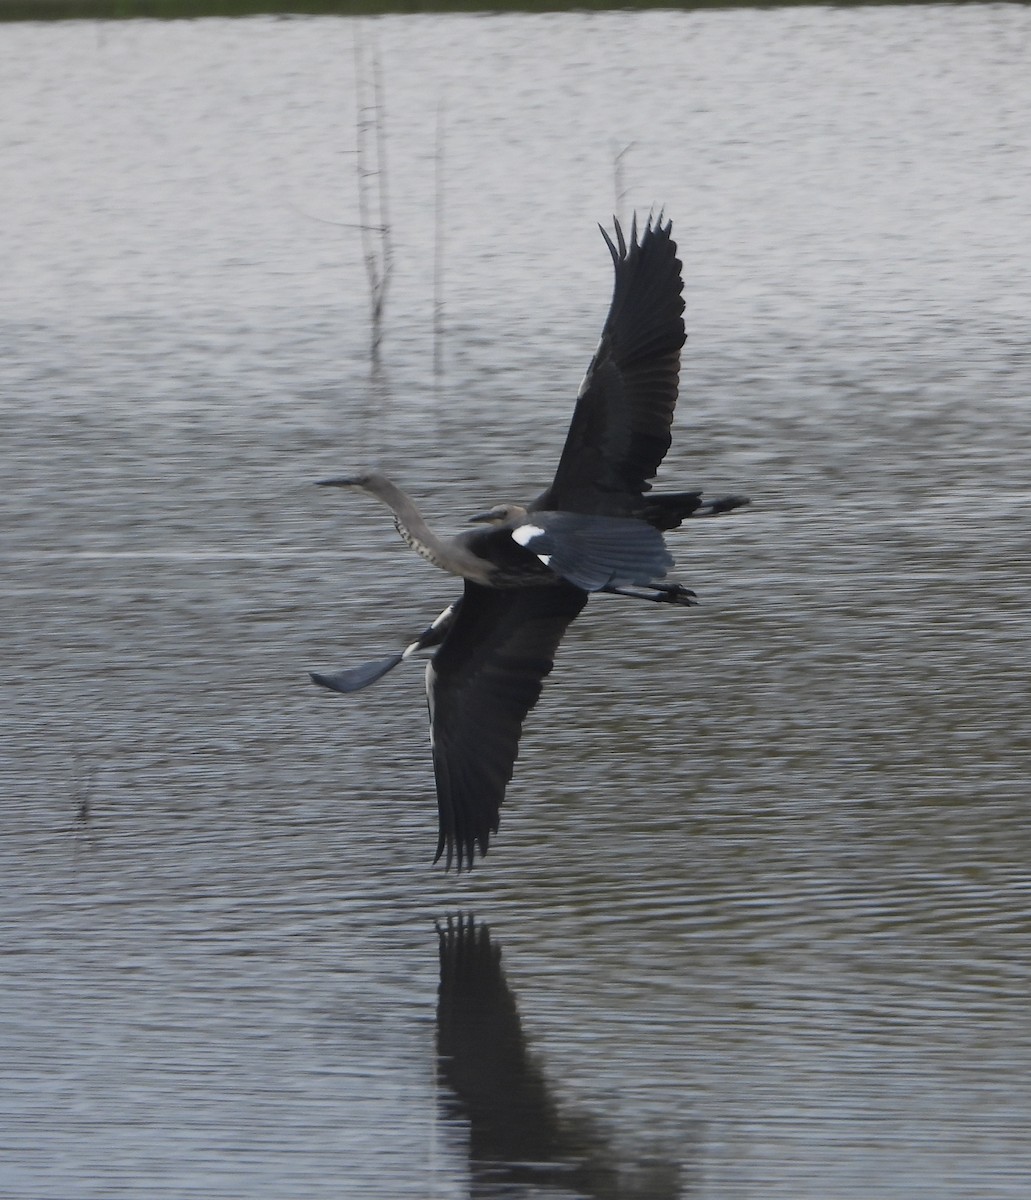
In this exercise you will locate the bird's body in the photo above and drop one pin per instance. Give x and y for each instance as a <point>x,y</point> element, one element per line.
<point>517,548</point>
<point>529,570</point>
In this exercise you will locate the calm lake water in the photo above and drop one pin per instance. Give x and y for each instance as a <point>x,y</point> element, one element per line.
<point>758,920</point>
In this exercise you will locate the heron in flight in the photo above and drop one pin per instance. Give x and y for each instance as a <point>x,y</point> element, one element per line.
<point>528,570</point>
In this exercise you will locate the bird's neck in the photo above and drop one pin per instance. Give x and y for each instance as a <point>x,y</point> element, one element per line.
<point>421,538</point>
<point>450,555</point>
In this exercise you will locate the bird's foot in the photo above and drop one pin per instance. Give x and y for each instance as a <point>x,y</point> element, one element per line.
<point>676,593</point>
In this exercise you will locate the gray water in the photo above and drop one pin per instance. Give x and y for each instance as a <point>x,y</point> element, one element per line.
<point>761,889</point>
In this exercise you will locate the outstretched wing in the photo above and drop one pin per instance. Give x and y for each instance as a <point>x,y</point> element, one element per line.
<point>620,430</point>
<point>481,683</point>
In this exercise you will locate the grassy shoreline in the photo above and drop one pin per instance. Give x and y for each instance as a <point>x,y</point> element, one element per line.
<point>64,10</point>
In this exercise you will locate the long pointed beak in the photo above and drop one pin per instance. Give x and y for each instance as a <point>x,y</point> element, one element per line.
<point>341,481</point>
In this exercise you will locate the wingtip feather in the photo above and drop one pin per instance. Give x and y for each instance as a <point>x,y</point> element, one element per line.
<point>608,241</point>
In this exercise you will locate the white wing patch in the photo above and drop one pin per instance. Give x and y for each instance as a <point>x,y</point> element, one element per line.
<point>431,687</point>
<point>438,621</point>
<point>525,534</point>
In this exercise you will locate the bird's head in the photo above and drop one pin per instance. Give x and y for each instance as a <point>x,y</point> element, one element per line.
<point>500,514</point>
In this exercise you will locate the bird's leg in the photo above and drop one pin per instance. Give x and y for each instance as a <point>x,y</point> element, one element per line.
<point>675,593</point>
<point>719,506</point>
<point>658,593</point>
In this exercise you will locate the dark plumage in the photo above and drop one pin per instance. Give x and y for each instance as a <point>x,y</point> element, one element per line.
<point>620,430</point>
<point>528,571</point>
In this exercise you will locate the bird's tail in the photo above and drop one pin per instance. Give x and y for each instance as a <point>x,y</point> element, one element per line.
<point>667,512</point>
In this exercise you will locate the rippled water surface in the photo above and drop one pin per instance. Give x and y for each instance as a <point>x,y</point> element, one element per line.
<point>757,920</point>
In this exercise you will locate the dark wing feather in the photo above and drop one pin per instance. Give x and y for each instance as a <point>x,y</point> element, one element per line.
<point>355,678</point>
<point>620,430</point>
<point>481,684</point>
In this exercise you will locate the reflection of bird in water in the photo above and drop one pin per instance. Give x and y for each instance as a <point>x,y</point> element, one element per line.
<point>517,1136</point>
<point>529,570</point>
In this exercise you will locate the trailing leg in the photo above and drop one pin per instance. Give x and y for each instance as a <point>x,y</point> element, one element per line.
<point>658,593</point>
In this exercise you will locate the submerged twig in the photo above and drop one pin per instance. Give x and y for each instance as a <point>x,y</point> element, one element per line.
<point>373,206</point>
<point>438,252</point>
<point>82,790</point>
